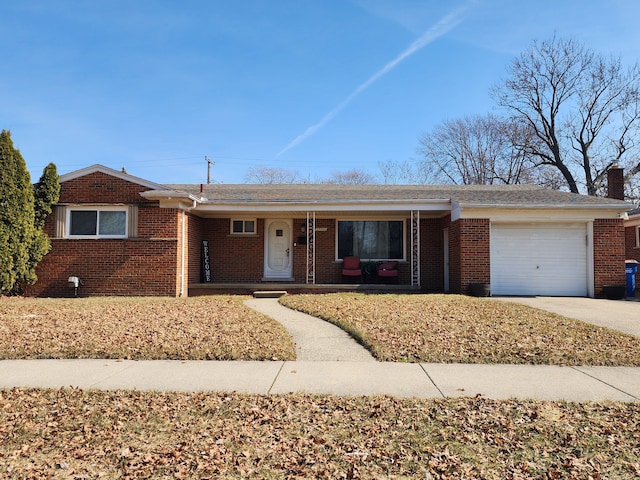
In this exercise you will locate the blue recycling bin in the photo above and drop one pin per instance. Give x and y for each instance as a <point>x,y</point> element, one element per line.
<point>631,267</point>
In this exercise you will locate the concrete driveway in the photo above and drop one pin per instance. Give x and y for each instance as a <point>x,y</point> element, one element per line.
<point>621,315</point>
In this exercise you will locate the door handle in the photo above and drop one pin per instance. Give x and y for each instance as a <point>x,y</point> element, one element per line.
<point>287,250</point>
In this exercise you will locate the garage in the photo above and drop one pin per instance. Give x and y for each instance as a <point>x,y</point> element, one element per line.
<point>539,259</point>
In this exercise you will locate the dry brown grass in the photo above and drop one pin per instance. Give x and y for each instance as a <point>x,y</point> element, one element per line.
<point>460,329</point>
<point>199,328</point>
<point>75,434</point>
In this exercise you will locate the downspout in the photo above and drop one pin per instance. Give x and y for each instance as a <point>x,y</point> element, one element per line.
<point>183,249</point>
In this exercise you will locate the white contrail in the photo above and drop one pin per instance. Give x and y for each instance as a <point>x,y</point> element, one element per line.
<point>443,26</point>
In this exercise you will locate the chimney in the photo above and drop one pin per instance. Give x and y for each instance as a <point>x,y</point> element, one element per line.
<point>615,183</point>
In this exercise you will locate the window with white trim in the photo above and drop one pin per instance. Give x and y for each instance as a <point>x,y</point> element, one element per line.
<point>239,227</point>
<point>371,239</point>
<point>97,222</point>
<point>638,236</point>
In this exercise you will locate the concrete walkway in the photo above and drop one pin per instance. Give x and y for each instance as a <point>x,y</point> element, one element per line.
<point>315,339</point>
<point>335,378</point>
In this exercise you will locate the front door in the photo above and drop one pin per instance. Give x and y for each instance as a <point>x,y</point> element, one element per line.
<point>277,255</point>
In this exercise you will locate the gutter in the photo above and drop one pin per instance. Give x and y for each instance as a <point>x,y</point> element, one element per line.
<point>524,206</point>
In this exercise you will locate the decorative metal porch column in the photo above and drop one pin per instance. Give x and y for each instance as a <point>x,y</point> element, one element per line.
<point>311,247</point>
<point>415,248</point>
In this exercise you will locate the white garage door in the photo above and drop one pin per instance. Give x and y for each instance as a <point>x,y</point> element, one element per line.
<point>539,259</point>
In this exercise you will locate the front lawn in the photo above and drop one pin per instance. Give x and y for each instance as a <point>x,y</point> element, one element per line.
<point>79,434</point>
<point>149,328</point>
<point>460,329</point>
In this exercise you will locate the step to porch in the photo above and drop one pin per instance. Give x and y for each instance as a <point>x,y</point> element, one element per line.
<point>269,294</point>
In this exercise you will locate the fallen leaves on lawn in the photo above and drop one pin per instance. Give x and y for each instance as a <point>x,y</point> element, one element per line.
<point>198,328</point>
<point>460,329</point>
<point>71,433</point>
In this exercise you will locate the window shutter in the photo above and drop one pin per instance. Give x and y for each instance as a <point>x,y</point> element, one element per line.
<point>61,214</point>
<point>133,221</point>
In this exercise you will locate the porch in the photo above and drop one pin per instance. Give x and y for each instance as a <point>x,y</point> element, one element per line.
<point>197,289</point>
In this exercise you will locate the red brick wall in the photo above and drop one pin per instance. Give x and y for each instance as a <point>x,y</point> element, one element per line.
<point>195,237</point>
<point>99,187</point>
<point>632,251</point>
<point>328,270</point>
<point>155,222</point>
<point>469,253</point>
<point>108,267</point>
<point>145,265</point>
<point>325,243</point>
<point>299,251</point>
<point>234,258</point>
<point>608,253</point>
<point>431,253</point>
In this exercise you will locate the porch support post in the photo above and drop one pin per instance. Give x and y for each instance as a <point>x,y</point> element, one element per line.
<point>415,248</point>
<point>311,247</point>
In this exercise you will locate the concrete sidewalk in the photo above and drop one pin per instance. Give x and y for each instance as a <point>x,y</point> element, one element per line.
<point>335,378</point>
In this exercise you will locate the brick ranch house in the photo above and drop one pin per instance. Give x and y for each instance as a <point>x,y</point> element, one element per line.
<point>123,235</point>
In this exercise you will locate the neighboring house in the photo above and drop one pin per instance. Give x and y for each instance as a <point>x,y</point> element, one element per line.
<point>123,235</point>
<point>632,235</point>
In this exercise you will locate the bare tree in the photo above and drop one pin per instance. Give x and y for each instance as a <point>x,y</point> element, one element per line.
<point>476,150</point>
<point>350,177</point>
<point>402,172</point>
<point>266,175</point>
<point>583,111</point>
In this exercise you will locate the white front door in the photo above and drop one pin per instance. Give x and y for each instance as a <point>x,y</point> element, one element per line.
<point>277,249</point>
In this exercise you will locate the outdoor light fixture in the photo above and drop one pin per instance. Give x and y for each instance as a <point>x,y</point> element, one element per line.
<point>75,282</point>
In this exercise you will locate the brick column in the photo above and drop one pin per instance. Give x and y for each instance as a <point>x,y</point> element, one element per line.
<point>608,253</point>
<point>469,250</point>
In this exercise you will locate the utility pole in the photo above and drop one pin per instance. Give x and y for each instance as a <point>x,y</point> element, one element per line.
<point>209,163</point>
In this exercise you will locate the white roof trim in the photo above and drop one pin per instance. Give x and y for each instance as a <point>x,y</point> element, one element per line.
<point>114,173</point>
<point>169,194</point>
<point>537,206</point>
<point>322,206</point>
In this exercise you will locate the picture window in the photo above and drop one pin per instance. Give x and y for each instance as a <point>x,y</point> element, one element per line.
<point>97,223</point>
<point>371,239</point>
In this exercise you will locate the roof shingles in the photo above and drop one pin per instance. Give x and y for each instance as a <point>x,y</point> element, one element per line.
<point>489,195</point>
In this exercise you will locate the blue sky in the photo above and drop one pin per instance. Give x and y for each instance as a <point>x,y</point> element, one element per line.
<point>315,86</point>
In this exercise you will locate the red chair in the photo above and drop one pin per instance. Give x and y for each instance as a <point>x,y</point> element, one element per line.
<point>388,271</point>
<point>351,267</point>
